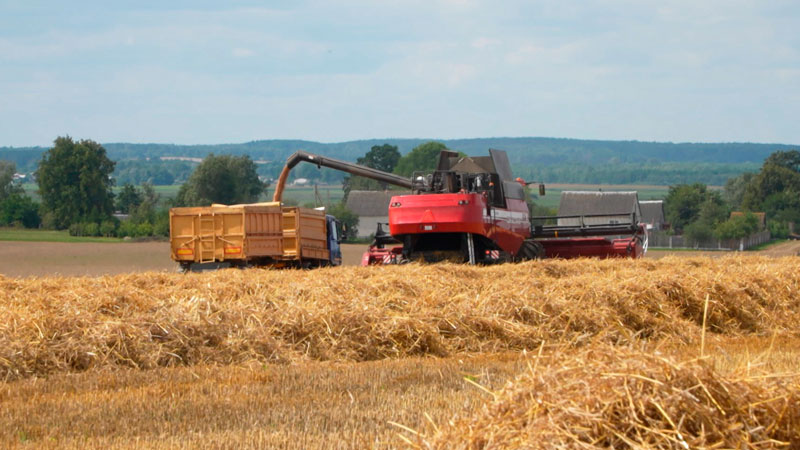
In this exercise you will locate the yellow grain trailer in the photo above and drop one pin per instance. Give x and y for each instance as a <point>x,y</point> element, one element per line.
<point>305,235</point>
<point>263,234</point>
<point>237,234</point>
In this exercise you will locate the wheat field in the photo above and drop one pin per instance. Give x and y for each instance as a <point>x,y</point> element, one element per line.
<point>416,355</point>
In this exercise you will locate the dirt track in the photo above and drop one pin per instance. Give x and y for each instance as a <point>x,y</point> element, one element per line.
<point>790,248</point>
<point>20,259</point>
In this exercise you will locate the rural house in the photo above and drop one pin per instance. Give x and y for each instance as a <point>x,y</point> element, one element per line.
<point>653,214</point>
<point>605,207</point>
<point>371,207</point>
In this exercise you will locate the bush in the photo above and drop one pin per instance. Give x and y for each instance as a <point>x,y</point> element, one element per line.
<point>76,229</point>
<point>126,229</point>
<point>778,229</point>
<point>698,232</point>
<point>161,227</point>
<point>19,209</point>
<point>737,227</point>
<point>108,228</point>
<point>91,229</point>
<point>144,229</point>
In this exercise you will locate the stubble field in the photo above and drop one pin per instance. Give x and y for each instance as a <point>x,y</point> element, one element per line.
<point>656,353</point>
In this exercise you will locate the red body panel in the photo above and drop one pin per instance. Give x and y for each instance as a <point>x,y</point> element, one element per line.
<point>460,213</point>
<point>596,247</point>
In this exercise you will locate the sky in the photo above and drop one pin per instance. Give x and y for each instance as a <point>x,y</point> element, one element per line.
<point>209,72</point>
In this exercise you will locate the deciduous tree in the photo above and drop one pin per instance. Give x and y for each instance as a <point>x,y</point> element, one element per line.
<point>222,179</point>
<point>382,157</point>
<point>423,158</point>
<point>75,183</point>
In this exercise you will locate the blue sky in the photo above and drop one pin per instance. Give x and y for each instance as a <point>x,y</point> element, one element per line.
<point>192,72</point>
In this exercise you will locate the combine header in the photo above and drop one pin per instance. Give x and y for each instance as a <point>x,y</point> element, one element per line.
<point>470,209</point>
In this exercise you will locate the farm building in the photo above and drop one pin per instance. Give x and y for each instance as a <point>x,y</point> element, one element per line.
<point>604,207</point>
<point>653,214</point>
<point>371,207</point>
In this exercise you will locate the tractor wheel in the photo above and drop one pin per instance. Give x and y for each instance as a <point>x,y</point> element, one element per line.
<point>531,250</point>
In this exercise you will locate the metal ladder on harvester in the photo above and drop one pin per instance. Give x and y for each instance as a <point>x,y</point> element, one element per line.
<point>207,237</point>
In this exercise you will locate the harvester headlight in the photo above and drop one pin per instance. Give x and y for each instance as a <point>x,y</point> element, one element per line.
<point>463,202</point>
<point>395,204</point>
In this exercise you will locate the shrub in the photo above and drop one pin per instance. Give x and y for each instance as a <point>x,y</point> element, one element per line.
<point>19,209</point>
<point>91,229</point>
<point>698,232</point>
<point>778,229</point>
<point>76,229</point>
<point>144,229</point>
<point>161,227</point>
<point>126,228</point>
<point>737,227</point>
<point>108,228</point>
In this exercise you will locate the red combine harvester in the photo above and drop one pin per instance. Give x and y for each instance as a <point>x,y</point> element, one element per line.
<point>470,209</point>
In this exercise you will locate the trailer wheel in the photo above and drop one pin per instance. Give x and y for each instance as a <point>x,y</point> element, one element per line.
<point>184,267</point>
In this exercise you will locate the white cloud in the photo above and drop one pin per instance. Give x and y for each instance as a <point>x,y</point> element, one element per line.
<point>242,52</point>
<point>484,43</point>
<point>605,69</point>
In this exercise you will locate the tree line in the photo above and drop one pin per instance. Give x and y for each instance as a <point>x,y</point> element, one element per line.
<point>701,214</point>
<point>548,159</point>
<point>75,185</point>
<point>75,180</point>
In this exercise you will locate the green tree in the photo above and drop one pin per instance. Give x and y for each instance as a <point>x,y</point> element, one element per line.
<point>423,158</point>
<point>19,209</point>
<point>16,208</point>
<point>697,232</point>
<point>128,199</point>
<point>147,209</point>
<point>772,179</point>
<point>382,157</point>
<point>75,182</point>
<point>222,179</point>
<point>684,202</point>
<point>786,159</point>
<point>7,184</point>
<point>737,227</point>
<point>735,188</point>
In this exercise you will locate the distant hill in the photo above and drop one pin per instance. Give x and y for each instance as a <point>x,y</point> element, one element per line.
<point>554,159</point>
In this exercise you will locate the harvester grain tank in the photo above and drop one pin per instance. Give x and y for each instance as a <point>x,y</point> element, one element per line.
<point>471,209</point>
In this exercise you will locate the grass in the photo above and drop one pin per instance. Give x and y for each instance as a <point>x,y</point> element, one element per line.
<point>767,245</point>
<point>29,235</point>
